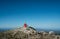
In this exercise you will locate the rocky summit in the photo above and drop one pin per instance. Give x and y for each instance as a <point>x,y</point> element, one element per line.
<point>27,32</point>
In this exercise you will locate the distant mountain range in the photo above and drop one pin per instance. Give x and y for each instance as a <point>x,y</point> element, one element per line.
<point>47,30</point>
<point>5,29</point>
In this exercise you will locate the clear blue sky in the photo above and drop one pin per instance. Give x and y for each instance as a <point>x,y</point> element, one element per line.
<point>37,13</point>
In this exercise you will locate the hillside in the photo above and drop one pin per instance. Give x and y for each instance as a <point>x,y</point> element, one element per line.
<point>28,32</point>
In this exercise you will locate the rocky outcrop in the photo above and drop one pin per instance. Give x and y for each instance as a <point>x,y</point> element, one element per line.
<point>27,33</point>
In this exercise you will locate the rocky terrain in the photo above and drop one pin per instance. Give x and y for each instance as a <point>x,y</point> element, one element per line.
<point>9,35</point>
<point>27,33</point>
<point>20,33</point>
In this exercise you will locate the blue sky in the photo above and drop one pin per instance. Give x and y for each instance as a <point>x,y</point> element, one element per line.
<point>36,13</point>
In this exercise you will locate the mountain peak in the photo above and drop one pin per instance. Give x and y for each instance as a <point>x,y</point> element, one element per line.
<point>27,29</point>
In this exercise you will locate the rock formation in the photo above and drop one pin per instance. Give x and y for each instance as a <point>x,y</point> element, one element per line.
<point>27,32</point>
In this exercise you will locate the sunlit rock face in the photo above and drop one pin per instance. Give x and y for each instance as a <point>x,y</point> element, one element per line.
<point>18,33</point>
<point>27,32</point>
<point>26,29</point>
